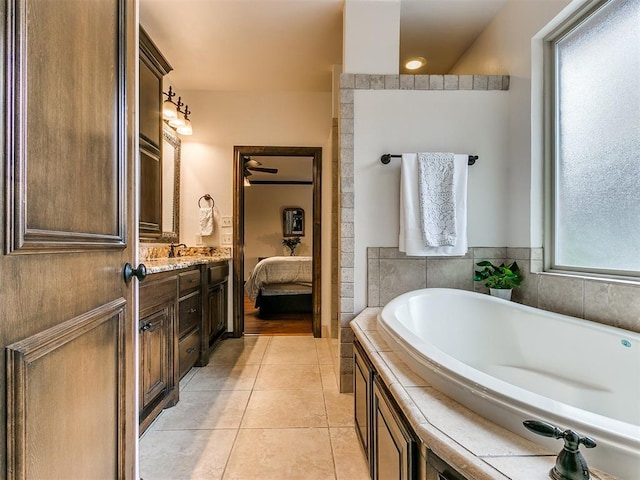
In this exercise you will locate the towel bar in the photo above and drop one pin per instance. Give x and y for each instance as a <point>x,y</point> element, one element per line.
<point>386,158</point>
<point>207,198</point>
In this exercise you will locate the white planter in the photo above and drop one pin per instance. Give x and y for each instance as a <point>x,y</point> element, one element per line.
<point>501,292</point>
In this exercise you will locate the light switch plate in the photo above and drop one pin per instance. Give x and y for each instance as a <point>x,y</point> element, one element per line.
<point>227,238</point>
<point>226,221</point>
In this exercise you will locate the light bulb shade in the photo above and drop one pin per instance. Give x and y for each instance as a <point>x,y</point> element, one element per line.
<point>177,122</point>
<point>247,183</point>
<point>169,110</point>
<point>185,129</point>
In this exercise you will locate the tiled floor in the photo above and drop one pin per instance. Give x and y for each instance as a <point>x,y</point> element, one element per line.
<point>264,408</point>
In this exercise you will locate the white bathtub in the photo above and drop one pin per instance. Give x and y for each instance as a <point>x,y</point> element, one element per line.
<point>509,362</point>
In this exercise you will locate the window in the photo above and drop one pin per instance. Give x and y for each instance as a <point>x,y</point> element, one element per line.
<point>595,140</point>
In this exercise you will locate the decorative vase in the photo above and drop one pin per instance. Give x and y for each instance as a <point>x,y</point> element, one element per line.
<point>504,293</point>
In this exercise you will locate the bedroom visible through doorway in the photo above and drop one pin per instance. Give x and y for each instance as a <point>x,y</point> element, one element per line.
<point>277,250</point>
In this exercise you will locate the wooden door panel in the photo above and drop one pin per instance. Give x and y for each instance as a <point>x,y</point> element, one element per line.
<point>50,374</point>
<point>66,131</point>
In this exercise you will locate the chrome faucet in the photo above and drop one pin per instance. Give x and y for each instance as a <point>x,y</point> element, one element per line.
<point>570,464</point>
<point>172,247</point>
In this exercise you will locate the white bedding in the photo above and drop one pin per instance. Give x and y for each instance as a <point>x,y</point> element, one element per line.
<point>278,270</point>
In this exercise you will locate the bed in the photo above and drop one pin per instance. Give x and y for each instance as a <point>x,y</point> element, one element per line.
<point>281,285</point>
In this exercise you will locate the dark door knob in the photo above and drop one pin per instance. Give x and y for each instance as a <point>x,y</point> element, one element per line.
<point>129,272</point>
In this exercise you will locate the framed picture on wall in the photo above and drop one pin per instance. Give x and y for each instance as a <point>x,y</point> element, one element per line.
<point>293,222</point>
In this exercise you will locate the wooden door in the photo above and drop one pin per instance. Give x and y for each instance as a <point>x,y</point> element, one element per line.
<point>67,390</point>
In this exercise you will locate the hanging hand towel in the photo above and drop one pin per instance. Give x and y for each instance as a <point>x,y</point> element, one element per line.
<point>206,221</point>
<point>437,196</point>
<point>411,239</point>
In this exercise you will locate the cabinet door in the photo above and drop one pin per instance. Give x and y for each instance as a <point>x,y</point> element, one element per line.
<point>363,381</point>
<point>437,469</point>
<point>217,315</point>
<point>394,448</point>
<point>155,366</point>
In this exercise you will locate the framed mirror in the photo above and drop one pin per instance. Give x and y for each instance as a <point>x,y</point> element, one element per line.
<point>170,185</point>
<point>293,222</point>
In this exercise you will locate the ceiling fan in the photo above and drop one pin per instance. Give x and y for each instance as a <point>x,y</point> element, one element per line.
<point>251,165</point>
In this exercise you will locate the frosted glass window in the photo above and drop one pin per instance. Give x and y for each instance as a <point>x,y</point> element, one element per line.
<point>597,142</point>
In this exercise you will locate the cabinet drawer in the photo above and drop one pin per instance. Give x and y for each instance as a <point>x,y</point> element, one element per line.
<point>189,348</point>
<point>189,280</point>
<point>218,273</point>
<point>154,292</point>
<point>190,313</point>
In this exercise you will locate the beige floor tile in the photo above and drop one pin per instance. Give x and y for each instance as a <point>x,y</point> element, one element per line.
<point>224,377</point>
<point>350,461</point>
<point>185,454</point>
<point>291,350</point>
<point>205,410</point>
<point>187,378</point>
<point>289,377</point>
<point>281,454</point>
<point>339,409</point>
<point>240,351</point>
<point>292,341</point>
<point>284,409</point>
<point>328,375</point>
<point>324,353</point>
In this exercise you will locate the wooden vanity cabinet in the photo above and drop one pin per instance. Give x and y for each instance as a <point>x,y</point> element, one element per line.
<point>190,319</point>
<point>152,67</point>
<point>394,448</point>
<point>363,380</point>
<point>215,323</point>
<point>183,313</point>
<point>157,370</point>
<point>387,438</point>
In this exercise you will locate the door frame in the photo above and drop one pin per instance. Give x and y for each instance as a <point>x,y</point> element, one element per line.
<point>238,228</point>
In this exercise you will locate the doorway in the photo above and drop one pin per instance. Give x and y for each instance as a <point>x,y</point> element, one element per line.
<point>243,154</point>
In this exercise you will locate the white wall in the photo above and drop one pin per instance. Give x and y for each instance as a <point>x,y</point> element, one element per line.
<point>222,120</point>
<point>263,206</point>
<point>505,48</point>
<point>397,121</point>
<point>371,36</point>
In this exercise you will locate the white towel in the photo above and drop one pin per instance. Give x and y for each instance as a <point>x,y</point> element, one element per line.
<point>411,240</point>
<point>209,219</point>
<point>437,199</point>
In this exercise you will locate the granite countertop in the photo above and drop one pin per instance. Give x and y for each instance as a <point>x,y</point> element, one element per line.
<point>157,265</point>
<point>478,448</point>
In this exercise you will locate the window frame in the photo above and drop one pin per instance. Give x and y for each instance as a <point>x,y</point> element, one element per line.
<point>550,146</point>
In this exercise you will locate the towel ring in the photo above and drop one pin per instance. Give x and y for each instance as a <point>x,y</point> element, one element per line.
<point>207,198</point>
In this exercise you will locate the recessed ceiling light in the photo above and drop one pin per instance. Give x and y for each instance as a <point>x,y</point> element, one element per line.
<point>415,63</point>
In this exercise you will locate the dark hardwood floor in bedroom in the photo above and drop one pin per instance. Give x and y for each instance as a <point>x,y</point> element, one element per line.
<point>283,324</point>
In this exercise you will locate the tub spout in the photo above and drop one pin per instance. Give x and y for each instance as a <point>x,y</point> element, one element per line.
<point>570,464</point>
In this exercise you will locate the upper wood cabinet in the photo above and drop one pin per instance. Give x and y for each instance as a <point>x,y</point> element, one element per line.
<point>153,67</point>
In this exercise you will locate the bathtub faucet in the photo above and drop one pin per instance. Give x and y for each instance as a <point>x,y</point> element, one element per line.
<point>570,464</point>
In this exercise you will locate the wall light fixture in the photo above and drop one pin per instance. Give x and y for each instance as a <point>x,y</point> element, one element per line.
<point>173,114</point>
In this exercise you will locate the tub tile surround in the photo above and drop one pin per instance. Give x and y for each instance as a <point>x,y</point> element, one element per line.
<point>391,273</point>
<point>479,449</point>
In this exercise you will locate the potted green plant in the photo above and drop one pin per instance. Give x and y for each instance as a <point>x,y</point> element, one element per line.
<point>291,243</point>
<point>501,279</point>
